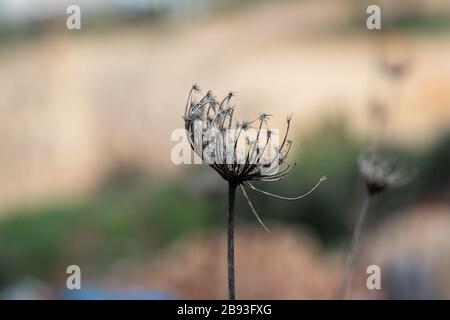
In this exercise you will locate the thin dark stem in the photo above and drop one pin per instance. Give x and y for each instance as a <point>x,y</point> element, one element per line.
<point>230,237</point>
<point>354,244</point>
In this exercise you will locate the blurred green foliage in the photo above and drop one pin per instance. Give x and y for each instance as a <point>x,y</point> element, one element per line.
<point>421,23</point>
<point>134,219</point>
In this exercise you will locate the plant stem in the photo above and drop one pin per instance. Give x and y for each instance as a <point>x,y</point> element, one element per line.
<point>230,237</point>
<point>354,244</point>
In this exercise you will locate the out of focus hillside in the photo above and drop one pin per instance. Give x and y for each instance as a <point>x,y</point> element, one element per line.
<point>76,105</point>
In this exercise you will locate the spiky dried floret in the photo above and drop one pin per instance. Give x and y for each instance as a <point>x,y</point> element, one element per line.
<point>208,116</point>
<point>226,147</point>
<point>380,173</point>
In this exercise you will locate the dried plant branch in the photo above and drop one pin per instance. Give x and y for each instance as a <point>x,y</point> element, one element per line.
<point>322,179</point>
<point>354,245</point>
<point>379,174</point>
<point>208,123</point>
<point>253,209</point>
<point>230,241</point>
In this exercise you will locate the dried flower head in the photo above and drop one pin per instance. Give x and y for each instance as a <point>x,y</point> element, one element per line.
<point>227,148</point>
<point>237,156</point>
<point>380,173</point>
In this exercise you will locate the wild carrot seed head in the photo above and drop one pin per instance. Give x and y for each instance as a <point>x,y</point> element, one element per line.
<point>380,173</point>
<point>217,139</point>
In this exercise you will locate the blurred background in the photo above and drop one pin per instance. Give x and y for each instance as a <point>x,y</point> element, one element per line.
<point>86,176</point>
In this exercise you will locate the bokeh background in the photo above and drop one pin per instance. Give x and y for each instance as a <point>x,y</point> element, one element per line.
<point>86,175</point>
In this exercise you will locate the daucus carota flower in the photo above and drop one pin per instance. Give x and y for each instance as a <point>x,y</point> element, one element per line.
<point>237,155</point>
<point>379,174</point>
<point>241,152</point>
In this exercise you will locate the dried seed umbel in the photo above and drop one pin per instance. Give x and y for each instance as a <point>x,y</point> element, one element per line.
<point>209,122</point>
<point>239,158</point>
<point>379,174</point>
